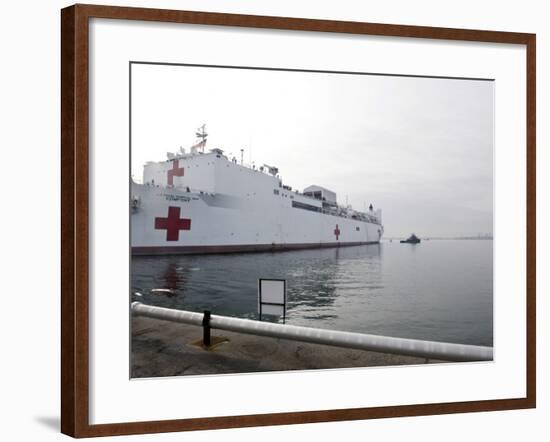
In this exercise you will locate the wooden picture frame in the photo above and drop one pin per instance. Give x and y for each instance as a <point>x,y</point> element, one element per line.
<point>75,218</point>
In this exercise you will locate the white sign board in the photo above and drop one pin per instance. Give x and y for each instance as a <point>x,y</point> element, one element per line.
<point>272,297</point>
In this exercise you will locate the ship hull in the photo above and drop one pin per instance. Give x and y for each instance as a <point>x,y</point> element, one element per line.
<point>170,221</point>
<point>238,248</point>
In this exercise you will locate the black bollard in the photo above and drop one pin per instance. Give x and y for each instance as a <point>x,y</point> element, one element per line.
<point>206,328</point>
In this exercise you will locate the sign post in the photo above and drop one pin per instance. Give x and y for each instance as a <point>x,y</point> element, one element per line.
<point>272,297</point>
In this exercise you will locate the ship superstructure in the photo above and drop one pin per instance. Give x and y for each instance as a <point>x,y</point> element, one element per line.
<point>205,202</point>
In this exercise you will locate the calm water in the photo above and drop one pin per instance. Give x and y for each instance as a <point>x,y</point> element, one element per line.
<point>437,290</point>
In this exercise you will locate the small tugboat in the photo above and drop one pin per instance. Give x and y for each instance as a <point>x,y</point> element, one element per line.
<point>413,239</point>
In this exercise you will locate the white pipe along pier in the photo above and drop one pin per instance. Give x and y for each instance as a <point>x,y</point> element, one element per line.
<point>383,344</point>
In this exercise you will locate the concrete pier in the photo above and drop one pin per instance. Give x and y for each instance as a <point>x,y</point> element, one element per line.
<point>162,348</point>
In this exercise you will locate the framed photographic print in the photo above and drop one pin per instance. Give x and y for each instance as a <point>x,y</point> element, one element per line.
<point>256,206</point>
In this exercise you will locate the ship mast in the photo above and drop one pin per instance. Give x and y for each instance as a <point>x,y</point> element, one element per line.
<point>201,134</point>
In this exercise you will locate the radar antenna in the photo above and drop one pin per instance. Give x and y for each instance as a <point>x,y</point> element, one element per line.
<point>201,135</point>
<point>201,132</point>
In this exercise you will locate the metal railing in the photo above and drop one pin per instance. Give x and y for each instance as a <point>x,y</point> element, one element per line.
<point>383,344</point>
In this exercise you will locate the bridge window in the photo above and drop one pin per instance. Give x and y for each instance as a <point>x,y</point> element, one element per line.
<point>305,206</point>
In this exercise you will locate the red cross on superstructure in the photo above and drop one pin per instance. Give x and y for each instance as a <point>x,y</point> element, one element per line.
<point>175,171</point>
<point>173,224</point>
<point>337,232</point>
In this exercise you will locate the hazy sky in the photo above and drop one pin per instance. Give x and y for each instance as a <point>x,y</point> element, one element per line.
<point>421,149</point>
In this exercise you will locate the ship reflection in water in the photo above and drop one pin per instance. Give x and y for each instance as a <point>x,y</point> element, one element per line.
<point>440,290</point>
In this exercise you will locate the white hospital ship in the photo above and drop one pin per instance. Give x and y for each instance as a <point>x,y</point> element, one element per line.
<point>205,202</point>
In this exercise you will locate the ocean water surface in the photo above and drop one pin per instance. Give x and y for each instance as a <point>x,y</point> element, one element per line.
<point>438,290</point>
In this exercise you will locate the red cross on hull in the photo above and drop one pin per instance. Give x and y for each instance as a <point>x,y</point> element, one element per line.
<point>337,232</point>
<point>174,171</point>
<point>173,224</point>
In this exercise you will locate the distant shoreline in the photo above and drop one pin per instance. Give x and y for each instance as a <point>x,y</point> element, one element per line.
<point>464,238</point>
